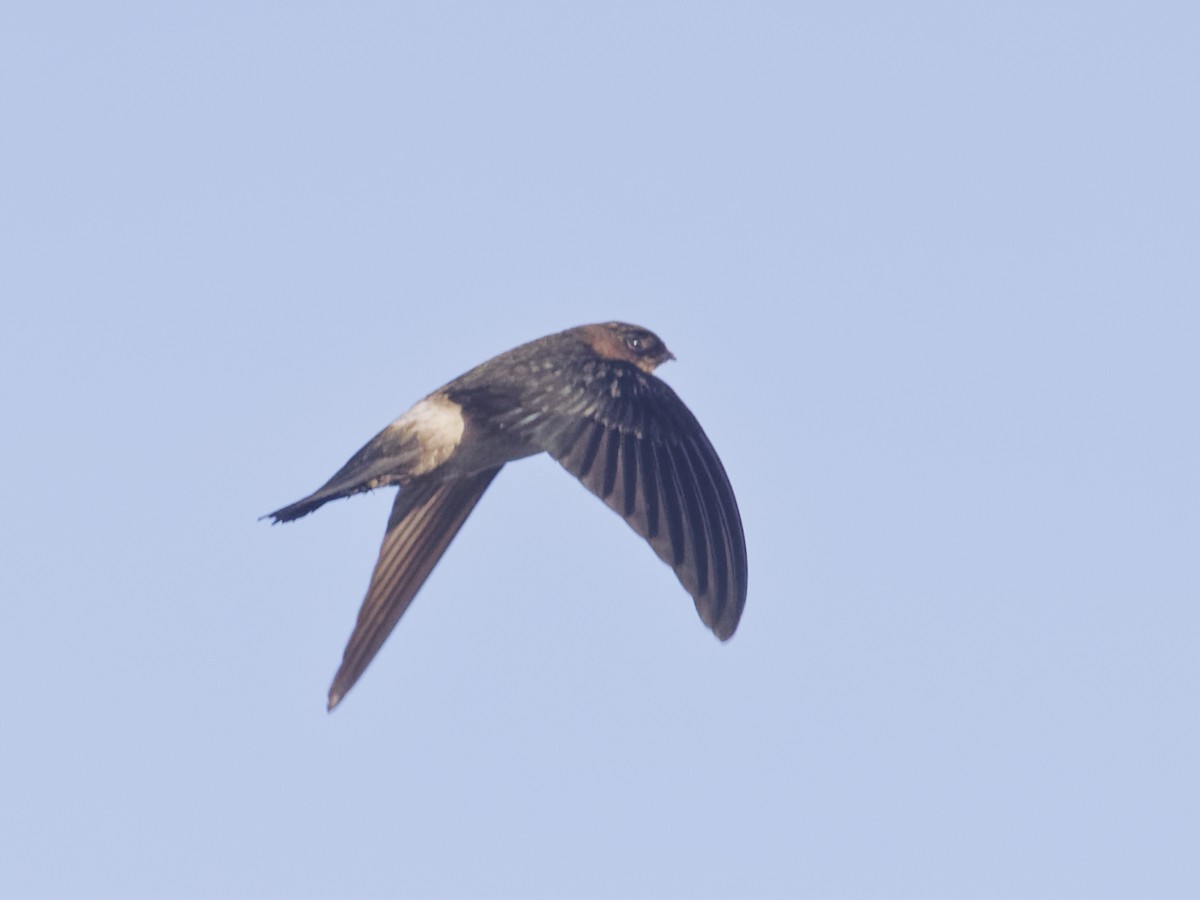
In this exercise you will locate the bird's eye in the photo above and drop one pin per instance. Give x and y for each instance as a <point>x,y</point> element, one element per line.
<point>638,343</point>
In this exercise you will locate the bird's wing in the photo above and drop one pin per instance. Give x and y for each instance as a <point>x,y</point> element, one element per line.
<point>632,442</point>
<point>425,518</point>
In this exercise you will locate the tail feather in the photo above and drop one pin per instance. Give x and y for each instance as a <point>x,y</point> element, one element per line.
<point>387,459</point>
<point>314,501</point>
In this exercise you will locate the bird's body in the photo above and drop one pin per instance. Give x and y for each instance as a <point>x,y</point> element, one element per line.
<point>586,396</point>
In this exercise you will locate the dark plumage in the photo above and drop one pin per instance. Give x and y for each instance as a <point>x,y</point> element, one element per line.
<point>589,398</point>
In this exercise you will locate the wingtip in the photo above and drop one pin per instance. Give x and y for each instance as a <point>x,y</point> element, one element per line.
<point>725,627</point>
<point>334,699</point>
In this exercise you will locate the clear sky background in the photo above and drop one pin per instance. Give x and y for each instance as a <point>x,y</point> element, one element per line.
<point>932,275</point>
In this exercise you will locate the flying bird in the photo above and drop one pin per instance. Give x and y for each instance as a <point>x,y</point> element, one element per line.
<point>588,396</point>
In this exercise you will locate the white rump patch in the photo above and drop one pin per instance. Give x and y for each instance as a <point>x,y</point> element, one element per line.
<point>437,424</point>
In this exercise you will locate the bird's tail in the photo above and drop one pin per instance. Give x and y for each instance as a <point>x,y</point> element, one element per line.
<point>313,501</point>
<point>385,460</point>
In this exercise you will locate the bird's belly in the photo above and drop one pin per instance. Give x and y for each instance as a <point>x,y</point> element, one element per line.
<point>488,450</point>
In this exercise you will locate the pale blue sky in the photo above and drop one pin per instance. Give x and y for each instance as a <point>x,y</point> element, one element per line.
<point>931,272</point>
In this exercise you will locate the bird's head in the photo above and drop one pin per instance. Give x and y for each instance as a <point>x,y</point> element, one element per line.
<point>628,343</point>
